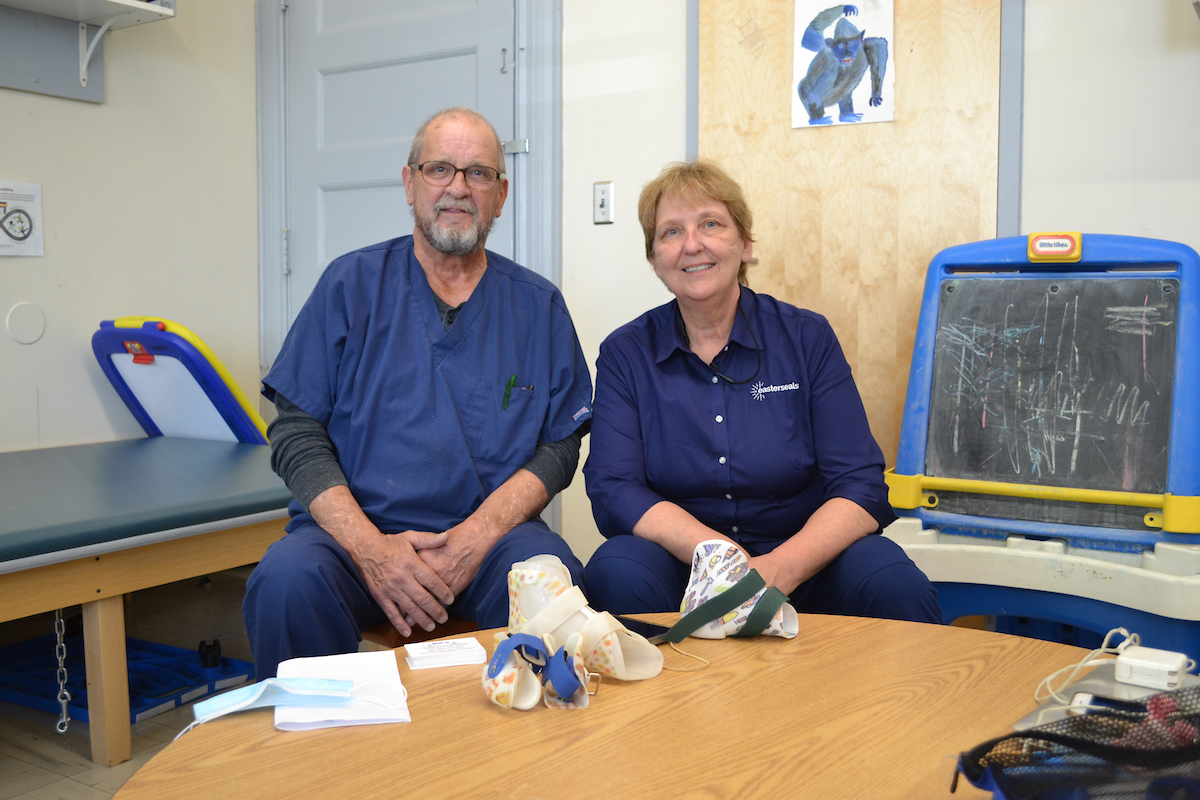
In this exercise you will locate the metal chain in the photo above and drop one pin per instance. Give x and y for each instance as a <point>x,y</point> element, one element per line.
<point>60,651</point>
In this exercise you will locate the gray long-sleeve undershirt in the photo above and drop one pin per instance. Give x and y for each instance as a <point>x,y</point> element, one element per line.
<point>304,456</point>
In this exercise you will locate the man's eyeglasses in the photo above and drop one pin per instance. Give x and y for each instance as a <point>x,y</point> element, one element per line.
<point>441,173</point>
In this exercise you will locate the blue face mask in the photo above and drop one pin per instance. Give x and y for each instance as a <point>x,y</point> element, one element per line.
<point>273,692</point>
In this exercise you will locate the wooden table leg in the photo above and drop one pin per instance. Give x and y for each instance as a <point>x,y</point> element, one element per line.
<point>107,680</point>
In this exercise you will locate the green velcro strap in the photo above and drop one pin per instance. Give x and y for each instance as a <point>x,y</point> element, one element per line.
<point>717,607</point>
<point>763,613</point>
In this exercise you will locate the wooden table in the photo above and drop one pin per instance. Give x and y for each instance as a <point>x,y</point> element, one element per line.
<point>89,523</point>
<point>853,708</point>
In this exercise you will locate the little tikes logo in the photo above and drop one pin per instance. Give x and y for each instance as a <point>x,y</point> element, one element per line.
<point>760,390</point>
<point>1055,246</point>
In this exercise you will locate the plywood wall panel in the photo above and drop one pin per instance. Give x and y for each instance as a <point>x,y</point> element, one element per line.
<point>847,218</point>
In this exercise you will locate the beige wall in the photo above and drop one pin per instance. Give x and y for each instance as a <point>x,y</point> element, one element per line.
<point>1112,118</point>
<point>624,95</point>
<point>848,217</point>
<point>150,205</point>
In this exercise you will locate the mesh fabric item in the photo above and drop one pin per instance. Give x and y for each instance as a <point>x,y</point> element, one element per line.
<point>1150,753</point>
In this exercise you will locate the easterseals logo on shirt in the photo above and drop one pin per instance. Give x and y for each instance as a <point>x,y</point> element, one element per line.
<point>760,390</point>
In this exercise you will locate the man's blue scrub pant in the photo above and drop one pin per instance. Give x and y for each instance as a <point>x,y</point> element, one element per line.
<point>306,597</point>
<point>871,578</point>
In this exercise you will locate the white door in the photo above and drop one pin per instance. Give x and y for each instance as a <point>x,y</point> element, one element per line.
<point>362,75</point>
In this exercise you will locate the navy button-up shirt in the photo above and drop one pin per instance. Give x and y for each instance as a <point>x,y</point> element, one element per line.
<point>752,460</point>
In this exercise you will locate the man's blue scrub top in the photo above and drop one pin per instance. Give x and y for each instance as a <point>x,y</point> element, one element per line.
<point>752,461</point>
<point>418,413</point>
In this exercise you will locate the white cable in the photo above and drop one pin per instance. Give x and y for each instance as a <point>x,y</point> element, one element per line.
<point>1050,709</point>
<point>1046,690</point>
<point>1078,708</point>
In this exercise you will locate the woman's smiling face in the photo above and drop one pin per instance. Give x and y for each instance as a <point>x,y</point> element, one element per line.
<point>698,249</point>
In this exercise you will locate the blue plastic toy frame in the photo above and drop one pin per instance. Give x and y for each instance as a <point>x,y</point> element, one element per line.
<point>158,340</point>
<point>1101,255</point>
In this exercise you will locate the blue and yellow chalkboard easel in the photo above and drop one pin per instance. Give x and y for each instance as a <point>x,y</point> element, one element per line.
<point>1049,452</point>
<point>172,383</point>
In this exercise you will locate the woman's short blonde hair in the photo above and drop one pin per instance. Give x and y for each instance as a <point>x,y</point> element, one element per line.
<point>699,178</point>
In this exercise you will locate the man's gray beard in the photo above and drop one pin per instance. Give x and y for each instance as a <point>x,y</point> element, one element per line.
<point>456,241</point>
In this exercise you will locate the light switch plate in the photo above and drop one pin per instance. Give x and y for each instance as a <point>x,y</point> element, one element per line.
<point>602,202</point>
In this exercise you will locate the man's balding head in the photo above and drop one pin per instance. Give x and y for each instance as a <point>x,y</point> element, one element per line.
<point>445,115</point>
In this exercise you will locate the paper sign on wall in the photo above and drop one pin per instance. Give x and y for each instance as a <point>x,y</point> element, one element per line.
<point>843,71</point>
<point>20,219</point>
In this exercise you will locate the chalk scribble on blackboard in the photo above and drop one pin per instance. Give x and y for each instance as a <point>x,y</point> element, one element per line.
<point>1056,382</point>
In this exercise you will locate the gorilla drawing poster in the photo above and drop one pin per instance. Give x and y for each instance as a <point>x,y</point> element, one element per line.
<point>842,69</point>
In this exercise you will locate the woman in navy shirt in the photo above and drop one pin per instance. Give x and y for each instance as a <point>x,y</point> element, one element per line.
<point>726,414</point>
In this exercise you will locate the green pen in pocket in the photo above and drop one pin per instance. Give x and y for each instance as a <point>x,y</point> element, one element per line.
<point>512,381</point>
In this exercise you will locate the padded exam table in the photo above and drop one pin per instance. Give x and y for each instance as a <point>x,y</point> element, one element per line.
<point>87,524</point>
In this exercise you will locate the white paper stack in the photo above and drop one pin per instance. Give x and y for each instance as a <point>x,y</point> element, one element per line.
<point>445,653</point>
<point>379,696</point>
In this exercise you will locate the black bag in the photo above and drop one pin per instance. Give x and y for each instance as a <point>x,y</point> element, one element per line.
<point>1151,752</point>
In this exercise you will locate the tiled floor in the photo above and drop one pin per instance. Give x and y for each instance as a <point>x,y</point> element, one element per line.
<point>36,763</point>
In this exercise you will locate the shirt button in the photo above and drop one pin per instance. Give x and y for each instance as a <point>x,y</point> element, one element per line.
<point>720,418</point>
<point>735,529</point>
<point>726,347</point>
<point>728,497</point>
<point>714,378</point>
<point>722,459</point>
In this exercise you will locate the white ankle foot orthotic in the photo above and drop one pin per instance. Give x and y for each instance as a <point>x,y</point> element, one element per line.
<point>716,567</point>
<point>542,600</point>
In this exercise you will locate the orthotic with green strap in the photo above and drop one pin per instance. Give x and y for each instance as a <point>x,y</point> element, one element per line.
<point>720,605</point>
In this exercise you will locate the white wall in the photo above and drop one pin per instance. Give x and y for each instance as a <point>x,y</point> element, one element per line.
<point>1112,118</point>
<point>624,101</point>
<point>150,205</point>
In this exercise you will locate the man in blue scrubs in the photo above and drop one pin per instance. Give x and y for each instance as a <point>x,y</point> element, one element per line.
<point>432,398</point>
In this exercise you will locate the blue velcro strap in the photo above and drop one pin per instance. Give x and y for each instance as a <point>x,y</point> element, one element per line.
<point>561,675</point>
<point>532,648</point>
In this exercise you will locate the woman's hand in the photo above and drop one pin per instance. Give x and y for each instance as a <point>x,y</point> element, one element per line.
<point>776,571</point>
<point>831,529</point>
<point>675,530</point>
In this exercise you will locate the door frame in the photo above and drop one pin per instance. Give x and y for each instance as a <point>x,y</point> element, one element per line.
<point>535,181</point>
